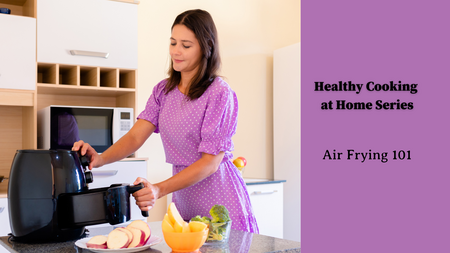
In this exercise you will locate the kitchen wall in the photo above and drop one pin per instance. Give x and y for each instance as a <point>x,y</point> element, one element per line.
<point>249,32</point>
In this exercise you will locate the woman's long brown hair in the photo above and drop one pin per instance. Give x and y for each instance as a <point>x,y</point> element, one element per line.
<point>201,23</point>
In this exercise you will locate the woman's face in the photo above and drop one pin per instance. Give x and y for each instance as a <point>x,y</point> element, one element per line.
<point>184,49</point>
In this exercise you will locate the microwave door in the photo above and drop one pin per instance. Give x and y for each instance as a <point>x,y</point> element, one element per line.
<point>88,124</point>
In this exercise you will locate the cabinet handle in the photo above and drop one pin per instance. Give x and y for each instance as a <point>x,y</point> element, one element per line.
<point>261,192</point>
<point>105,173</point>
<point>89,53</point>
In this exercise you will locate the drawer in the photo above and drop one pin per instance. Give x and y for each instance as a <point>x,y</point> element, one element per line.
<point>17,52</point>
<point>267,203</point>
<point>121,172</point>
<point>100,26</point>
<point>5,228</point>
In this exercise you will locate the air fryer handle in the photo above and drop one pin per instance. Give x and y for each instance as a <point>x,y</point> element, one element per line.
<point>85,164</point>
<point>134,188</point>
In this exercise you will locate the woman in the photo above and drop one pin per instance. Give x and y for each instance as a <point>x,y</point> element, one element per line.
<point>195,112</point>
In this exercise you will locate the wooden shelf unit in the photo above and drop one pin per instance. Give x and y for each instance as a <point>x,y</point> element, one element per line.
<point>17,131</point>
<point>85,86</point>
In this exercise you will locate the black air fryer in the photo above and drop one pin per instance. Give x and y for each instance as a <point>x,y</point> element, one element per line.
<point>49,199</point>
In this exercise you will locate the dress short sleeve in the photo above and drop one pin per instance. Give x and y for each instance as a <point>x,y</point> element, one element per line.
<point>220,121</point>
<point>154,105</point>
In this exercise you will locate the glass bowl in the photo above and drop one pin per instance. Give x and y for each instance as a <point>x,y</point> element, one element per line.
<point>219,233</point>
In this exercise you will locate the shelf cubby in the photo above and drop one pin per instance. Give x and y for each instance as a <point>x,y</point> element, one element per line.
<point>127,78</point>
<point>69,75</point>
<point>20,7</point>
<point>47,73</point>
<point>108,77</point>
<point>89,76</point>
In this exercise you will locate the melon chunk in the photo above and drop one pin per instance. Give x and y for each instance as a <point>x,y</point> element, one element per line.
<point>138,237</point>
<point>142,225</point>
<point>117,239</point>
<point>97,242</point>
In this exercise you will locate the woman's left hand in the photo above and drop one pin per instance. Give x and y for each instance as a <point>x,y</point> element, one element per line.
<point>147,196</point>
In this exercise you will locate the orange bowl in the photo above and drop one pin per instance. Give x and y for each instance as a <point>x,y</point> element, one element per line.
<point>185,242</point>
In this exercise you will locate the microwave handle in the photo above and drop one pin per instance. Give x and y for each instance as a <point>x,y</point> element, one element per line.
<point>104,173</point>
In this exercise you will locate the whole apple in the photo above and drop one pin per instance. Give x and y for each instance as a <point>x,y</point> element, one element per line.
<point>239,163</point>
<point>243,159</point>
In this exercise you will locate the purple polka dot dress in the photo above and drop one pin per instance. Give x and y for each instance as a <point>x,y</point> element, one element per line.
<point>204,125</point>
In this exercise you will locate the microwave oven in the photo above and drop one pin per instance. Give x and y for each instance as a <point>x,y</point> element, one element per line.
<point>59,127</point>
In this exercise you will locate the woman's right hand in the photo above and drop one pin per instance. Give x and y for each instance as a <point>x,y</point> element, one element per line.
<point>95,160</point>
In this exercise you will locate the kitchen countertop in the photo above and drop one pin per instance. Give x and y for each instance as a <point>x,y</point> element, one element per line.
<point>239,242</point>
<point>253,181</point>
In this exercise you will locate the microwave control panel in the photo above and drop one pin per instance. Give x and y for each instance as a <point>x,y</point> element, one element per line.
<point>124,121</point>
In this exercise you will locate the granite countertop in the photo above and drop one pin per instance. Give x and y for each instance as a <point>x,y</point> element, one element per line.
<point>239,242</point>
<point>253,181</point>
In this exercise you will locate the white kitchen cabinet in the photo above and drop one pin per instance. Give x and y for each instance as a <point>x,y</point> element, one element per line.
<point>5,228</point>
<point>95,26</point>
<point>125,171</point>
<point>17,52</point>
<point>267,203</point>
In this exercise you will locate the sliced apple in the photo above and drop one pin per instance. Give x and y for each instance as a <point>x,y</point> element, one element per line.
<point>97,242</point>
<point>117,239</point>
<point>128,232</point>
<point>142,225</point>
<point>174,215</point>
<point>178,227</point>
<point>166,226</point>
<point>186,228</point>
<point>197,226</point>
<point>138,237</point>
<point>166,217</point>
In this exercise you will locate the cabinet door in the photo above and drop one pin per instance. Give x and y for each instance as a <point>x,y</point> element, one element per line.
<point>99,26</point>
<point>17,52</point>
<point>119,173</point>
<point>4,217</point>
<point>267,203</point>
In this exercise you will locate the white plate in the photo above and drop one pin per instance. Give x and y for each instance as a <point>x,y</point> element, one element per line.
<point>153,240</point>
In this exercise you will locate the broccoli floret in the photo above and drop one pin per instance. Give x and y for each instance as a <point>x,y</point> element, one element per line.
<point>197,218</point>
<point>218,224</point>
<point>217,231</point>
<point>203,219</point>
<point>206,219</point>
<point>219,213</point>
<point>217,237</point>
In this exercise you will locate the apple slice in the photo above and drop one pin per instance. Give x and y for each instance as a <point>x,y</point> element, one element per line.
<point>178,227</point>
<point>117,239</point>
<point>197,226</point>
<point>166,226</point>
<point>186,228</point>
<point>128,232</point>
<point>174,215</point>
<point>138,237</point>
<point>166,217</point>
<point>97,242</point>
<point>142,225</point>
